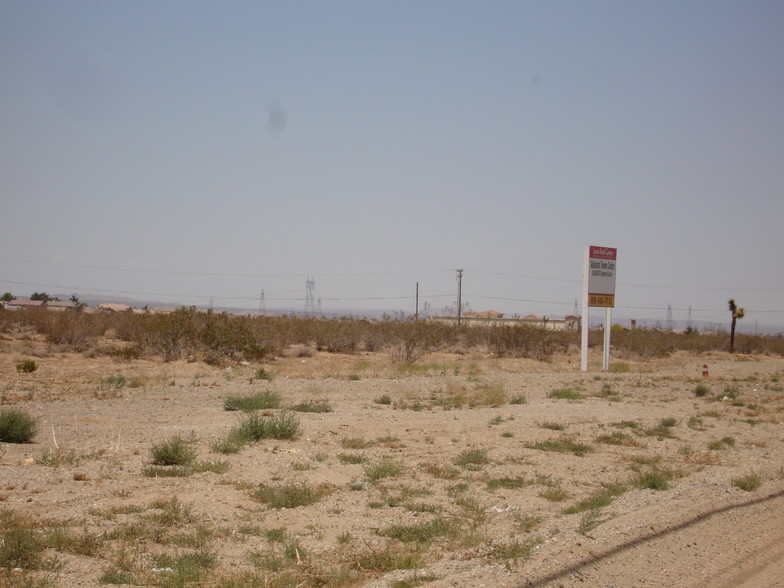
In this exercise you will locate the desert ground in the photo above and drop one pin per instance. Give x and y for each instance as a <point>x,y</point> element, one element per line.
<point>459,470</point>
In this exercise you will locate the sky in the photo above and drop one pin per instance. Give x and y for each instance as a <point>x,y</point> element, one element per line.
<point>199,153</point>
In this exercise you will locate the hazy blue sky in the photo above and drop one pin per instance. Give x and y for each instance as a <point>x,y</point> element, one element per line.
<point>193,150</point>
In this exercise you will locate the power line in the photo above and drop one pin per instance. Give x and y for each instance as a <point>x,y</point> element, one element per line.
<point>214,274</point>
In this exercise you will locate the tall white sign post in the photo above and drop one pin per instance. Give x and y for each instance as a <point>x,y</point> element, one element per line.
<point>599,268</point>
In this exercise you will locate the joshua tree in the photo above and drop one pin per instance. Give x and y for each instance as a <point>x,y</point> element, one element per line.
<point>737,313</point>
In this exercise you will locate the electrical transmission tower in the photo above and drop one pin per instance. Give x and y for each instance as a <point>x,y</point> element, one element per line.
<point>310,302</point>
<point>262,307</point>
<point>669,317</point>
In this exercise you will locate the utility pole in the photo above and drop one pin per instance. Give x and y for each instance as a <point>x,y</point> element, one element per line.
<point>262,307</point>
<point>459,296</point>
<point>416,312</point>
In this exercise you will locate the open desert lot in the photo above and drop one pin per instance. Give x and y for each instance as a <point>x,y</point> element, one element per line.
<point>318,469</point>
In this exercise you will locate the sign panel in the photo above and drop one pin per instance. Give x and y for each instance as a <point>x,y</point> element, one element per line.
<point>601,276</point>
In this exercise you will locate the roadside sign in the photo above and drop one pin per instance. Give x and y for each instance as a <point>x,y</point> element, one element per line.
<point>601,276</point>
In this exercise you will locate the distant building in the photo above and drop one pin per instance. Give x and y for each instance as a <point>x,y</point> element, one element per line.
<point>59,305</point>
<point>484,314</point>
<point>115,308</point>
<point>25,304</point>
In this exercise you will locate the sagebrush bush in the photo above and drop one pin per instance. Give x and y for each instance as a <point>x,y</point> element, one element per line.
<point>16,426</point>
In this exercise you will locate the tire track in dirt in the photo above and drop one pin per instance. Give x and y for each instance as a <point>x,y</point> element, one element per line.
<point>738,545</point>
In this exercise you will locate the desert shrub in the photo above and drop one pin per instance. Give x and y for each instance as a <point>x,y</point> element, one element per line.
<point>721,444</point>
<point>73,329</point>
<point>488,394</point>
<point>355,443</point>
<point>388,558</point>
<point>263,400</point>
<point>423,533</point>
<point>514,551</point>
<point>507,483</point>
<point>263,374</point>
<point>229,336</point>
<point>385,468</point>
<point>339,336</point>
<point>749,483</point>
<point>127,352</point>
<point>563,445</point>
<point>600,499</point>
<point>617,438</point>
<point>176,451</point>
<point>21,546</point>
<point>256,427</point>
<point>16,426</point>
<point>701,390</point>
<point>290,495</point>
<point>472,459</point>
<point>652,480</point>
<point>351,458</point>
<point>28,366</point>
<point>318,406</point>
<point>525,341</point>
<point>567,393</point>
<point>113,382</point>
<point>409,343</point>
<point>620,367</point>
<point>172,335</point>
<point>644,343</point>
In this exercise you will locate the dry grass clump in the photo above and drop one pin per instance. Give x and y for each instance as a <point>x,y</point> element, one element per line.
<point>256,427</point>
<point>749,482</point>
<point>563,445</point>
<point>263,400</point>
<point>290,495</point>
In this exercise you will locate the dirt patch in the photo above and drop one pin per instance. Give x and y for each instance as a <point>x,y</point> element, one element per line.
<point>457,471</point>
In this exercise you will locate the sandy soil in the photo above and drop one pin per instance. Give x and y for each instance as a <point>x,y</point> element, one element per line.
<point>85,469</point>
